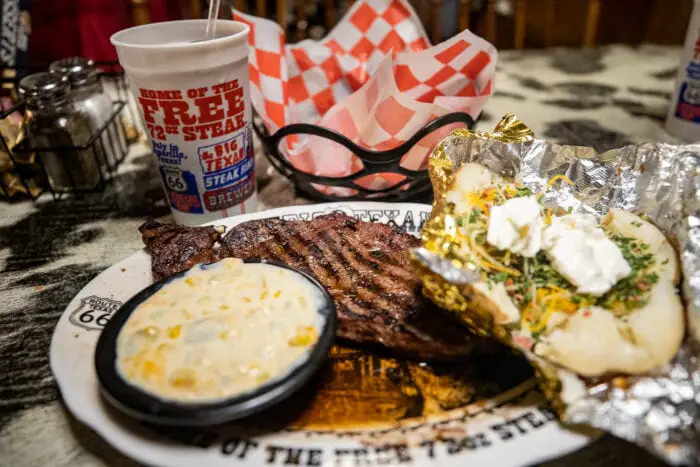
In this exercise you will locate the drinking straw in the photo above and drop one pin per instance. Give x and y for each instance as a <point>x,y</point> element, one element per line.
<point>213,15</point>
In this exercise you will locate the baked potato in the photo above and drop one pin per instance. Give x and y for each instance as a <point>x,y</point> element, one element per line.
<point>591,298</point>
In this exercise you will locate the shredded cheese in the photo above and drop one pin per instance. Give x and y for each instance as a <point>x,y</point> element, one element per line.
<point>484,198</point>
<point>476,201</point>
<point>546,300</point>
<point>557,288</point>
<point>487,261</point>
<point>556,178</point>
<point>552,298</point>
<point>489,194</point>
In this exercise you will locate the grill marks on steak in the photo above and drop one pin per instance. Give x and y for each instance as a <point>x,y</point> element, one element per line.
<point>176,248</point>
<point>365,267</point>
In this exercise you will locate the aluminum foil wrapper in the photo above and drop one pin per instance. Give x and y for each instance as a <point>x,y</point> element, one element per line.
<point>659,411</point>
<point>11,184</point>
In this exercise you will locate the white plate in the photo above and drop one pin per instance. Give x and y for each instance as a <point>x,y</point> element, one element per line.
<point>513,428</point>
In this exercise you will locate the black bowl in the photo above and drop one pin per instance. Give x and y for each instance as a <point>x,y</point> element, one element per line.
<point>145,406</point>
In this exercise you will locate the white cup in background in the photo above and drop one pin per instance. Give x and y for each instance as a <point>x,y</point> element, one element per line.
<point>683,119</point>
<point>194,100</point>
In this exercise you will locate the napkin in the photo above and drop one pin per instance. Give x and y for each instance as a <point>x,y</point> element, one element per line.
<point>374,78</point>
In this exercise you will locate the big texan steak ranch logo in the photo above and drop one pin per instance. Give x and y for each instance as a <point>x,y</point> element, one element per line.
<point>228,171</point>
<point>411,221</point>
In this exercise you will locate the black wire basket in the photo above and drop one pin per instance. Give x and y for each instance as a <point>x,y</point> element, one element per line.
<point>108,133</point>
<point>26,157</point>
<point>416,183</point>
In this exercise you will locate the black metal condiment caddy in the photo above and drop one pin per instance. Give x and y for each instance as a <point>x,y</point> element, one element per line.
<point>26,156</point>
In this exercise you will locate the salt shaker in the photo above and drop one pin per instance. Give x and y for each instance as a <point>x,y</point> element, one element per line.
<point>88,95</point>
<point>56,122</point>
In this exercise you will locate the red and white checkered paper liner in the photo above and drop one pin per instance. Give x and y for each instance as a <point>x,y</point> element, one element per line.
<point>374,78</point>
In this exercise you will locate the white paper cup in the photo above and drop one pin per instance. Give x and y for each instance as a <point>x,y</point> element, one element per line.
<point>195,104</point>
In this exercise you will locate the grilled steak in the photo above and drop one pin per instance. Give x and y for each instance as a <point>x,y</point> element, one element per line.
<point>365,267</point>
<point>176,248</point>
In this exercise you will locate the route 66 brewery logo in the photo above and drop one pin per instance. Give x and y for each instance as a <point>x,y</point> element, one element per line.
<point>175,180</point>
<point>94,312</point>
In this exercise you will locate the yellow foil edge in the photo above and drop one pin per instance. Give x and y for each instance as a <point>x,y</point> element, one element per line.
<point>11,129</point>
<point>440,234</point>
<point>441,167</point>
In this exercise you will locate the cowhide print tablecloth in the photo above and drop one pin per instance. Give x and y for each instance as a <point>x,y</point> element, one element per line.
<point>49,250</point>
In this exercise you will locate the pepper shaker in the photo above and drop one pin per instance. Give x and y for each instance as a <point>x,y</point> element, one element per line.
<point>55,123</point>
<point>88,95</point>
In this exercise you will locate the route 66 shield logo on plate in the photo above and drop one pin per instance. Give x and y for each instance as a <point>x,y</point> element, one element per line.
<point>94,312</point>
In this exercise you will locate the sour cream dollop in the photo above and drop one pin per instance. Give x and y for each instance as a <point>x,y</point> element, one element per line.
<point>582,252</point>
<point>517,226</point>
<point>220,331</point>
